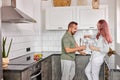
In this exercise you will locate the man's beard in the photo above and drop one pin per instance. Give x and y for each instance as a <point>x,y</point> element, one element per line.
<point>73,32</point>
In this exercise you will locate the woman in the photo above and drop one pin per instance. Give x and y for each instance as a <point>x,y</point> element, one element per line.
<point>99,50</point>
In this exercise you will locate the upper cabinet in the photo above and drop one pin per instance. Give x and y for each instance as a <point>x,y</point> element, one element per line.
<point>57,18</point>
<point>87,17</point>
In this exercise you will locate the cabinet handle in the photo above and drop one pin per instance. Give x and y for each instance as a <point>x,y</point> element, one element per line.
<point>59,27</point>
<point>91,27</point>
<point>35,75</point>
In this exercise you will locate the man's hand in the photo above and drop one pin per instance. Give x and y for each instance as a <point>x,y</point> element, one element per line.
<point>83,53</point>
<point>83,47</point>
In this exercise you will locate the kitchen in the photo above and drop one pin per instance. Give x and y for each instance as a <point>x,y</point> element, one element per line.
<point>37,38</point>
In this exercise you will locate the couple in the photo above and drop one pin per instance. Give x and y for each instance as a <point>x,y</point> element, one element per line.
<point>99,50</point>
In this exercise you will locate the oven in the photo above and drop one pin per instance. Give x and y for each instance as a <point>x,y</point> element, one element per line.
<point>35,72</point>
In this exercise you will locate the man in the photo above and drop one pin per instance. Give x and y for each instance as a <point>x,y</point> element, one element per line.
<point>69,47</point>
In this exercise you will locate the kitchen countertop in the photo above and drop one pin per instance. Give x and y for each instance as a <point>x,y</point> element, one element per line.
<point>16,68</point>
<point>21,67</point>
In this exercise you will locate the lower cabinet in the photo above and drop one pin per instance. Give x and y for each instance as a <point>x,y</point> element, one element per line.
<point>23,72</point>
<point>46,69</point>
<point>51,68</point>
<point>114,74</point>
<point>81,63</point>
<point>17,75</point>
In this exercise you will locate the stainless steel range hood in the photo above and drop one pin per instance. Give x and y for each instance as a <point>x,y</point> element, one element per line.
<point>10,14</point>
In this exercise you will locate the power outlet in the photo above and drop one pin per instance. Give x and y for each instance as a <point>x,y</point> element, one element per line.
<point>28,49</point>
<point>28,58</point>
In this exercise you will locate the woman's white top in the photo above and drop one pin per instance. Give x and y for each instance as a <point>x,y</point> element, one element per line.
<point>103,45</point>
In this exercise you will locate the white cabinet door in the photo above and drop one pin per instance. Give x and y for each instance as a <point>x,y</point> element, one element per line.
<point>57,18</point>
<point>88,17</point>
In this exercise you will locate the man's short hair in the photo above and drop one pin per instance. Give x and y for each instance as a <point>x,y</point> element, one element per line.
<point>72,23</point>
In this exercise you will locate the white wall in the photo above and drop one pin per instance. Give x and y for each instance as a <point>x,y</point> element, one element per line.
<point>24,34</point>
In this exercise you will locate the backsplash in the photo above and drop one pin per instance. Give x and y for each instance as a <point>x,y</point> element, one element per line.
<point>23,36</point>
<point>51,40</point>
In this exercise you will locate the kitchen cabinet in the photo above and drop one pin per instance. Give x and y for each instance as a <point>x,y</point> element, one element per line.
<point>51,67</point>
<point>23,68</point>
<point>17,74</point>
<point>81,63</point>
<point>46,69</point>
<point>114,74</point>
<point>88,17</point>
<point>56,67</point>
<point>57,18</point>
<point>22,72</point>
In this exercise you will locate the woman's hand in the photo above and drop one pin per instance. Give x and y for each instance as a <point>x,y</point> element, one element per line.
<point>94,48</point>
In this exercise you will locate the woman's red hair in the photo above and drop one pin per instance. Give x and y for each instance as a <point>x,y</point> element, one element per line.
<point>104,31</point>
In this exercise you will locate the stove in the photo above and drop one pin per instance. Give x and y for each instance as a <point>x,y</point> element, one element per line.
<point>23,60</point>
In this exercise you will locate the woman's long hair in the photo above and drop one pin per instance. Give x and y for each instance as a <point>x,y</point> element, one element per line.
<point>104,31</point>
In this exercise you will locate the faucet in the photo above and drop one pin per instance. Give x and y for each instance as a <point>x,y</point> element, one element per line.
<point>80,42</point>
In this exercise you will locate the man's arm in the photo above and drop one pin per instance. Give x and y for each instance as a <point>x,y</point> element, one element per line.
<point>81,51</point>
<point>77,48</point>
<point>68,50</point>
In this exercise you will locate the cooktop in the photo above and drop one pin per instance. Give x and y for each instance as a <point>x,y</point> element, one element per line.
<point>25,59</point>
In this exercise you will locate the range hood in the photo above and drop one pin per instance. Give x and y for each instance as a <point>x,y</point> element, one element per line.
<point>10,14</point>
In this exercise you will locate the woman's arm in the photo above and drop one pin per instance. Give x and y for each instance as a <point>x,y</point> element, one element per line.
<point>103,49</point>
<point>94,48</point>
